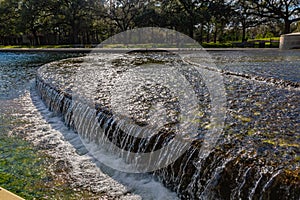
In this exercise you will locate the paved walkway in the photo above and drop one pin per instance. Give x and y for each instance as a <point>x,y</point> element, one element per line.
<point>123,50</point>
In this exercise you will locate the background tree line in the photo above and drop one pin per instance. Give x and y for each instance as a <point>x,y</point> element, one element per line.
<point>37,22</point>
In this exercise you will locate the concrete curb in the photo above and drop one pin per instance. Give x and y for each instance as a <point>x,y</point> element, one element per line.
<point>6,195</point>
<point>123,50</point>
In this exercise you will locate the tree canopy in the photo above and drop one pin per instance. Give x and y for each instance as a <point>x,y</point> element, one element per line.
<point>92,21</point>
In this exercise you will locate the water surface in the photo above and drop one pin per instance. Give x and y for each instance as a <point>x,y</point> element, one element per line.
<point>261,131</point>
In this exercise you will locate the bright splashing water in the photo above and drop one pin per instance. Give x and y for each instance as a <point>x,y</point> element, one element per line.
<point>256,157</point>
<point>280,65</point>
<point>17,69</point>
<point>70,169</point>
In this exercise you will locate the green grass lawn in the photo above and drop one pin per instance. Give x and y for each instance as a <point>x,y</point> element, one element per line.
<point>37,46</point>
<point>204,44</point>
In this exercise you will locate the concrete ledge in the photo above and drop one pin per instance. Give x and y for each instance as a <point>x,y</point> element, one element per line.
<point>6,195</point>
<point>122,50</point>
<point>290,41</point>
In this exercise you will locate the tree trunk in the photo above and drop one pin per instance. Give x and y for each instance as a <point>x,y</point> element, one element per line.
<point>207,34</point>
<point>244,34</point>
<point>201,34</point>
<point>215,34</point>
<point>35,38</point>
<point>287,26</point>
<point>88,36</point>
<point>74,33</point>
<point>191,31</point>
<point>221,32</point>
<point>97,37</point>
<point>74,39</point>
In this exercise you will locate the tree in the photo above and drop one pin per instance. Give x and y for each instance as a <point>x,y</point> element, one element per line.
<point>172,15</point>
<point>221,12</point>
<point>244,17</point>
<point>286,10</point>
<point>185,15</point>
<point>76,15</point>
<point>150,15</point>
<point>34,14</point>
<point>124,12</point>
<point>192,9</point>
<point>9,19</point>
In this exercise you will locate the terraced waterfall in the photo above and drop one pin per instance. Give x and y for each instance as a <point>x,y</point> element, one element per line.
<point>255,156</point>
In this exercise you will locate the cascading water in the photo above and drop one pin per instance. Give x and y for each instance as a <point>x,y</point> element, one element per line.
<point>256,156</point>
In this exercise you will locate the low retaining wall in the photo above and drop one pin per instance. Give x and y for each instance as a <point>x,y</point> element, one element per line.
<point>290,41</point>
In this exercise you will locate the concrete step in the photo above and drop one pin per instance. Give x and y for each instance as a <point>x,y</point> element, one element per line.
<point>6,195</point>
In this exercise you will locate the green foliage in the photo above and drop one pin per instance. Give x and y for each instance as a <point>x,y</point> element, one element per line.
<point>53,22</point>
<point>216,45</point>
<point>9,17</point>
<point>269,35</point>
<point>285,10</point>
<point>259,36</point>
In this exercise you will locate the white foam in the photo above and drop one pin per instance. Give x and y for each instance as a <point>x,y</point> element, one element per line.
<point>46,130</point>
